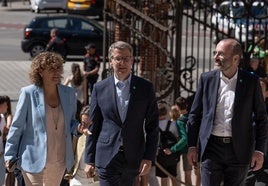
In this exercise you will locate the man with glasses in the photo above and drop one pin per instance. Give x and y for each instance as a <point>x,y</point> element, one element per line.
<point>124,112</point>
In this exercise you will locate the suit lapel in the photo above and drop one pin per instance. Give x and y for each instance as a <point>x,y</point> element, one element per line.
<point>215,82</point>
<point>65,101</point>
<point>132,92</point>
<point>40,103</point>
<point>113,98</point>
<point>239,90</point>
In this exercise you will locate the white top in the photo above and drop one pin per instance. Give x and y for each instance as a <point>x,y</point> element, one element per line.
<point>78,89</point>
<point>224,110</point>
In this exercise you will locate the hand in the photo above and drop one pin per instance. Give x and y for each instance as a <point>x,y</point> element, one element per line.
<point>90,170</point>
<point>145,167</point>
<point>256,161</point>
<point>10,166</point>
<point>192,156</point>
<point>83,128</point>
<point>167,151</point>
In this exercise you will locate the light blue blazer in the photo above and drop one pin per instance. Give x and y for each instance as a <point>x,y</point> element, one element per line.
<point>27,137</point>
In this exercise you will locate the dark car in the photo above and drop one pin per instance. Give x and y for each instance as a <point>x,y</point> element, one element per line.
<point>77,31</point>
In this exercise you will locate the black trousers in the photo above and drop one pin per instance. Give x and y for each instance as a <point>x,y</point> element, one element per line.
<point>220,165</point>
<point>117,173</point>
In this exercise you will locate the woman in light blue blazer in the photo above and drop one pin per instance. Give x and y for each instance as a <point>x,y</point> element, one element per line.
<point>40,136</point>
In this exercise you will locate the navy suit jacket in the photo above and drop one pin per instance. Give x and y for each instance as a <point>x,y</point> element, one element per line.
<point>139,130</point>
<point>249,122</point>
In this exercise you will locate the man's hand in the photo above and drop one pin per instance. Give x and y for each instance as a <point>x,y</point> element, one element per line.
<point>192,156</point>
<point>145,167</point>
<point>90,170</point>
<point>256,161</point>
<point>167,151</point>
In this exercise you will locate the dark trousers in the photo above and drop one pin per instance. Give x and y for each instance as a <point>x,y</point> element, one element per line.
<point>219,164</point>
<point>117,173</point>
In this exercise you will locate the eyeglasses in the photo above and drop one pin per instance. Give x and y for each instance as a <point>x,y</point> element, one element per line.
<point>122,59</point>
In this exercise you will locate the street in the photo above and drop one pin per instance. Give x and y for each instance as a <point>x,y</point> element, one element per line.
<point>14,64</point>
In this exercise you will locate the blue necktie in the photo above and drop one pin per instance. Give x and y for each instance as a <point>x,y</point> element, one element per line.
<point>122,95</point>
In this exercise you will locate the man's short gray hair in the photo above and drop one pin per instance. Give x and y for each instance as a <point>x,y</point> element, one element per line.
<point>119,45</point>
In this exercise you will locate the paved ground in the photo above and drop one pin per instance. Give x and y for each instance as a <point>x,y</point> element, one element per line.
<point>14,75</point>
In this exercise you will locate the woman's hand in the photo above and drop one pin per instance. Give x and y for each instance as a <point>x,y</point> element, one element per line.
<point>83,127</point>
<point>11,164</point>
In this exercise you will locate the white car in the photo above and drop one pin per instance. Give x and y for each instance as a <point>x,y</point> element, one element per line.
<point>39,5</point>
<point>256,25</point>
<point>233,20</point>
<point>223,18</point>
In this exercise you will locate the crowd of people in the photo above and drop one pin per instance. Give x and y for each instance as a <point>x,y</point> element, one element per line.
<point>115,132</point>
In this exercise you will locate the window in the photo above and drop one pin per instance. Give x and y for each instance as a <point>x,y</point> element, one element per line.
<point>57,23</point>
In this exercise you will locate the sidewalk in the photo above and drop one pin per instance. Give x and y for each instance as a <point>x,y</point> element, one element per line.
<point>15,5</point>
<point>14,76</point>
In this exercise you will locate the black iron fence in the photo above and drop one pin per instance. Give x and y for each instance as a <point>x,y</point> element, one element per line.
<point>174,40</point>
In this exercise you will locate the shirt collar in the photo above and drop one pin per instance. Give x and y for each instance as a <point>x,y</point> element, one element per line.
<point>223,77</point>
<point>127,81</point>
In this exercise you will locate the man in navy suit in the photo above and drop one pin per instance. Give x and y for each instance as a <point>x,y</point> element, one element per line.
<point>228,107</point>
<point>124,112</point>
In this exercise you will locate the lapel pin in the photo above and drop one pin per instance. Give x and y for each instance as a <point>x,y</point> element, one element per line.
<point>240,80</point>
<point>134,87</point>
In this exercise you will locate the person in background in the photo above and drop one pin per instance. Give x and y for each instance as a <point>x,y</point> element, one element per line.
<point>182,106</point>
<point>124,113</point>
<point>78,82</point>
<point>40,137</point>
<point>8,117</point>
<point>221,133</point>
<point>256,68</point>
<point>91,68</point>
<point>10,176</point>
<point>3,111</point>
<point>174,115</point>
<point>179,132</point>
<point>56,44</point>
<point>78,174</point>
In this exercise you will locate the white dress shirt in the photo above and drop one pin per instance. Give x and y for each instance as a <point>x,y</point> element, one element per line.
<point>224,110</point>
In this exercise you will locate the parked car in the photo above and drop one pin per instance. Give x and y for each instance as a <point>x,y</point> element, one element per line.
<point>77,31</point>
<point>256,24</point>
<point>233,19</point>
<point>40,5</point>
<point>223,18</point>
<point>86,7</point>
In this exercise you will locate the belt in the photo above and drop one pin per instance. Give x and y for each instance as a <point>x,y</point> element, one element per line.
<point>221,139</point>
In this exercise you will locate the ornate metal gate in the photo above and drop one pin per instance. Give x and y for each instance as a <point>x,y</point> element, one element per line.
<point>173,40</point>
